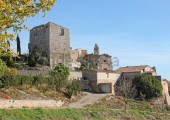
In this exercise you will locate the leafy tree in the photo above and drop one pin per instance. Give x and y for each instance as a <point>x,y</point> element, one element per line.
<point>13,14</point>
<point>59,75</point>
<point>86,65</point>
<point>148,86</point>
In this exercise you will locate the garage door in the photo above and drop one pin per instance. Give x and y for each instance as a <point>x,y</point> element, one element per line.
<point>105,88</point>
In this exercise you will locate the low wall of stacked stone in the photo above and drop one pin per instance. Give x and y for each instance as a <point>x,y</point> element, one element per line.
<point>73,74</point>
<point>33,72</point>
<point>30,104</point>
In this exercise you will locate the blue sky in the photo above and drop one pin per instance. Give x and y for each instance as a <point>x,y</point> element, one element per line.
<point>135,31</point>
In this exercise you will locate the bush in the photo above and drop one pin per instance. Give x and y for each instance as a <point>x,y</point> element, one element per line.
<point>74,88</point>
<point>8,79</point>
<point>59,75</point>
<point>3,68</point>
<point>32,62</point>
<point>148,86</point>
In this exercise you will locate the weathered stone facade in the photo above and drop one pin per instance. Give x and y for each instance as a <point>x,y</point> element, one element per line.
<point>53,42</point>
<point>101,62</point>
<point>74,75</point>
<point>76,56</point>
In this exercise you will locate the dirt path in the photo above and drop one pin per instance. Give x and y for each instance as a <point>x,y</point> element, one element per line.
<point>88,99</point>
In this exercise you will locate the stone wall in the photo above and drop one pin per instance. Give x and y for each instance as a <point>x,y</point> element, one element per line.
<point>39,40</point>
<point>30,104</point>
<point>59,45</point>
<point>33,72</point>
<point>91,77</point>
<point>74,75</point>
<point>165,92</point>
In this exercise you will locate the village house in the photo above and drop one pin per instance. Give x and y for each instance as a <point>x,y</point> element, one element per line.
<point>101,81</point>
<point>130,72</point>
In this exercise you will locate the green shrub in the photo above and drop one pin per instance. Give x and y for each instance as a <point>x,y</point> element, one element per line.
<point>8,80</point>
<point>59,75</point>
<point>74,88</point>
<point>147,86</point>
<point>3,68</point>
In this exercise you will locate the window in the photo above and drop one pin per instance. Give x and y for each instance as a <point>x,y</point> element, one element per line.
<point>61,32</point>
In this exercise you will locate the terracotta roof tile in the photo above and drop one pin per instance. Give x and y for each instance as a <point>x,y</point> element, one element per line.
<point>131,69</point>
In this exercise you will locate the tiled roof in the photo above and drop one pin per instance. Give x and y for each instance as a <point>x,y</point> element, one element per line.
<point>131,69</point>
<point>97,70</point>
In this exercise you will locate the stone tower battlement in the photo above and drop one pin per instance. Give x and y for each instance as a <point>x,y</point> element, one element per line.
<point>52,41</point>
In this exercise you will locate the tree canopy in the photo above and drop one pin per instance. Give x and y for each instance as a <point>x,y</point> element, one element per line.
<point>148,86</point>
<point>59,75</point>
<point>13,14</point>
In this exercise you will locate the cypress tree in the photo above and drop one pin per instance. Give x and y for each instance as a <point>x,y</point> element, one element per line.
<point>18,45</point>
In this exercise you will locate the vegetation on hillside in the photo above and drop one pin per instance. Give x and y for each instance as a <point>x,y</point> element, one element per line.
<point>148,86</point>
<point>57,81</point>
<point>3,68</point>
<point>78,114</point>
<point>59,76</point>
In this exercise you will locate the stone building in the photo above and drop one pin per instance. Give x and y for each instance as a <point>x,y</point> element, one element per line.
<point>102,62</point>
<point>76,57</point>
<point>130,72</point>
<point>101,81</point>
<point>52,41</point>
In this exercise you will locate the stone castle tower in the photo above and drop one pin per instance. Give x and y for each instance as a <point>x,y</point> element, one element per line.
<point>96,49</point>
<point>52,41</point>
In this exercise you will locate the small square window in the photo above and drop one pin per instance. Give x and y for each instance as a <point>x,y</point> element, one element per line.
<point>61,32</point>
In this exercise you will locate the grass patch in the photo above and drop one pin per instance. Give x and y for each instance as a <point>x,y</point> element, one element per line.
<point>76,114</point>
